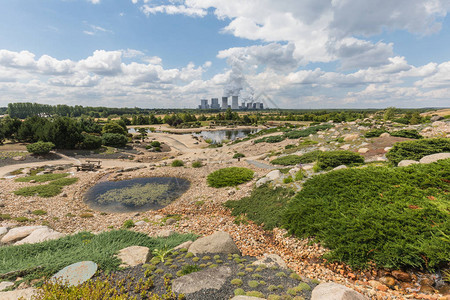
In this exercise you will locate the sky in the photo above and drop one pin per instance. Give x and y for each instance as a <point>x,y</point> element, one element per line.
<point>170,54</point>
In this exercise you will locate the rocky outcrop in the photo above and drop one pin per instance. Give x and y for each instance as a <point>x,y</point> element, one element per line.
<point>206,279</point>
<point>19,233</point>
<point>219,242</point>
<point>40,235</point>
<point>271,260</point>
<point>334,291</point>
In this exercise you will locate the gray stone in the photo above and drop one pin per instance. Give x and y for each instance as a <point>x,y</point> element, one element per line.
<point>40,235</point>
<point>170,221</point>
<point>19,233</point>
<point>271,260</point>
<point>345,147</point>
<point>134,255</point>
<point>5,284</point>
<point>434,158</point>
<point>76,274</point>
<point>340,167</point>
<point>407,162</point>
<point>165,233</point>
<point>24,294</point>
<point>363,150</point>
<point>140,223</point>
<point>274,175</point>
<point>213,278</point>
<point>184,245</point>
<point>219,242</point>
<point>3,230</point>
<point>334,291</point>
<point>262,181</point>
<point>436,118</point>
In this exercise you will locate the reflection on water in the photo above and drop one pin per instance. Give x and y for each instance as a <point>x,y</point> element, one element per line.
<point>218,136</point>
<point>139,194</point>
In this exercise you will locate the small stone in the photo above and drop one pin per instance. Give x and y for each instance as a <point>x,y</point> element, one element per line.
<point>407,162</point>
<point>170,221</point>
<point>219,242</point>
<point>387,280</point>
<point>274,175</point>
<point>32,181</point>
<point>350,137</point>
<point>140,223</point>
<point>363,150</point>
<point>426,289</point>
<point>402,276</point>
<point>134,255</point>
<point>340,167</point>
<point>385,135</point>
<point>165,233</point>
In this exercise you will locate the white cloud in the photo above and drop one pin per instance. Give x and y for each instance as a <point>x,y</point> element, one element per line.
<point>174,10</point>
<point>94,1</point>
<point>102,63</point>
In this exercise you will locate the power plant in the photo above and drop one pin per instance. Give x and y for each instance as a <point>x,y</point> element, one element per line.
<point>234,104</point>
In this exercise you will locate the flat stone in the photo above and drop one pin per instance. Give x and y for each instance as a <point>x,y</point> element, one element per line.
<point>351,137</point>
<point>274,175</point>
<point>434,158</point>
<point>41,235</point>
<point>3,230</point>
<point>219,242</point>
<point>407,162</point>
<point>5,284</point>
<point>402,276</point>
<point>262,181</point>
<point>271,260</point>
<point>165,233</point>
<point>19,233</point>
<point>76,273</point>
<point>213,278</point>
<point>363,150</point>
<point>345,147</point>
<point>140,223</point>
<point>170,221</point>
<point>183,245</point>
<point>334,291</point>
<point>24,294</point>
<point>134,255</point>
<point>385,135</point>
<point>340,167</point>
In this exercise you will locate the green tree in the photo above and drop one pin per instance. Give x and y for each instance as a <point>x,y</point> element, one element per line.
<point>113,127</point>
<point>40,147</point>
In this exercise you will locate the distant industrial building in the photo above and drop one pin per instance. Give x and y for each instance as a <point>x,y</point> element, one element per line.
<point>234,104</point>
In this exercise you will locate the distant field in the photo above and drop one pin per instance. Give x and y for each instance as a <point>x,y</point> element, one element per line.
<point>441,112</point>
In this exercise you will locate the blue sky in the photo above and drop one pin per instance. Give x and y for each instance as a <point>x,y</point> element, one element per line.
<point>301,54</point>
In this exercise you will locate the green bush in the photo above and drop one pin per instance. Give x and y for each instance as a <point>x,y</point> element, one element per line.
<point>331,159</point>
<point>288,180</point>
<point>229,177</point>
<point>288,160</point>
<point>177,163</point>
<point>296,134</point>
<point>90,142</point>
<point>40,147</point>
<point>128,224</point>
<point>374,133</point>
<point>415,150</point>
<point>238,155</point>
<point>407,133</point>
<point>263,206</point>
<point>395,217</point>
<point>114,140</point>
<point>46,190</point>
<point>197,164</point>
<point>155,144</point>
<point>310,157</point>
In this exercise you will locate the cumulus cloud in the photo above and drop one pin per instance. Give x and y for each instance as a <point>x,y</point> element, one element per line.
<point>173,10</point>
<point>102,62</point>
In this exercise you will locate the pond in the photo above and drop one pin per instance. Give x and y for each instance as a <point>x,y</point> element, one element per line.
<point>218,136</point>
<point>134,195</point>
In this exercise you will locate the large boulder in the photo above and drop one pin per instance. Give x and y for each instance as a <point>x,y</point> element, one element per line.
<point>434,158</point>
<point>24,294</point>
<point>3,230</point>
<point>133,256</point>
<point>262,181</point>
<point>334,291</point>
<point>407,162</point>
<point>213,278</point>
<point>76,274</point>
<point>19,233</point>
<point>274,175</point>
<point>219,242</point>
<point>271,260</point>
<point>350,137</point>
<point>184,245</point>
<point>41,235</point>
<point>436,118</point>
<point>6,284</point>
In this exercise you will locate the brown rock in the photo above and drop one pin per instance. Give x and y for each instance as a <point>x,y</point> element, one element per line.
<point>426,289</point>
<point>426,281</point>
<point>402,276</point>
<point>387,280</point>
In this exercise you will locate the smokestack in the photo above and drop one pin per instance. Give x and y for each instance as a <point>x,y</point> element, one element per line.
<point>224,102</point>
<point>234,102</point>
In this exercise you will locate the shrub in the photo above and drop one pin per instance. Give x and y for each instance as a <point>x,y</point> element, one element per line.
<point>374,133</point>
<point>299,175</point>
<point>197,164</point>
<point>288,180</point>
<point>270,139</point>
<point>90,142</point>
<point>407,133</point>
<point>394,217</point>
<point>177,163</point>
<point>331,159</point>
<point>263,206</point>
<point>415,150</point>
<point>40,147</point>
<point>229,177</point>
<point>236,281</point>
<point>155,144</point>
<point>188,269</point>
<point>238,155</point>
<point>42,178</point>
<point>128,224</point>
<point>39,212</point>
<point>287,160</point>
<point>295,134</point>
<point>310,157</point>
<point>114,140</point>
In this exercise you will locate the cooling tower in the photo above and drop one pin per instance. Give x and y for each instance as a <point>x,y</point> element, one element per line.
<point>234,102</point>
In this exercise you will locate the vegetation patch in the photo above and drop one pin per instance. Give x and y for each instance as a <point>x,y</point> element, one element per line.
<point>288,160</point>
<point>229,177</point>
<point>177,163</point>
<point>407,133</point>
<point>332,159</point>
<point>415,150</point>
<point>42,178</point>
<point>375,132</point>
<point>393,217</point>
<point>296,134</point>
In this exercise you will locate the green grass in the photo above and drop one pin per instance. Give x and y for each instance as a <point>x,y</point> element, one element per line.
<point>46,190</point>
<point>415,150</point>
<point>57,254</point>
<point>393,217</point>
<point>42,178</point>
<point>229,177</point>
<point>263,206</point>
<point>296,134</point>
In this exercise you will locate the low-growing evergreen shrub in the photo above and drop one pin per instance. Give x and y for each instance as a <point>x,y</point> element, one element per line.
<point>374,132</point>
<point>114,140</point>
<point>331,159</point>
<point>197,164</point>
<point>229,177</point>
<point>270,139</point>
<point>155,144</point>
<point>263,206</point>
<point>394,217</point>
<point>415,150</point>
<point>407,133</point>
<point>42,178</point>
<point>177,163</point>
<point>40,147</point>
<point>296,134</point>
<point>288,160</point>
<point>310,157</point>
<point>238,155</point>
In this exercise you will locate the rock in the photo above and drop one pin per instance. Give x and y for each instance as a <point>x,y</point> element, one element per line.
<point>64,195</point>
<point>140,223</point>
<point>274,175</point>
<point>3,230</point>
<point>32,181</point>
<point>426,281</point>
<point>134,255</point>
<point>40,235</point>
<point>262,181</point>
<point>25,294</point>
<point>219,242</point>
<point>402,276</point>
<point>436,118</point>
<point>294,171</point>
<point>387,280</point>
<point>271,260</point>
<point>18,158</point>
<point>345,147</point>
<point>76,273</point>
<point>434,158</point>
<point>165,233</point>
<point>308,167</point>
<point>385,135</point>
<point>407,162</point>
<point>246,298</point>
<point>350,137</point>
<point>5,284</point>
<point>170,221</point>
<point>363,150</point>
<point>438,124</point>
<point>206,279</point>
<point>340,167</point>
<point>426,289</point>
<point>386,149</point>
<point>334,291</point>
<point>19,233</point>
<point>183,245</point>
